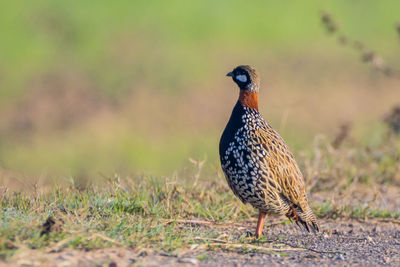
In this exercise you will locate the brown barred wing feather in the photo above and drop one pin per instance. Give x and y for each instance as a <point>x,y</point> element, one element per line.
<point>282,180</point>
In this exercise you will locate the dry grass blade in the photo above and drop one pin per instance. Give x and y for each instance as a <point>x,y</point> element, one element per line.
<point>199,165</point>
<point>60,245</point>
<point>106,238</point>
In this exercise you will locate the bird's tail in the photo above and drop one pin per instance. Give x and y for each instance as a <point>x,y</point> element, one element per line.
<point>305,219</point>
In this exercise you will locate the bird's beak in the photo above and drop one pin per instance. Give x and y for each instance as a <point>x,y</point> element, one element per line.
<point>230,74</point>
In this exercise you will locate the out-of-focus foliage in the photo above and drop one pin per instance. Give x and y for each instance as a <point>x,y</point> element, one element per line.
<point>138,86</point>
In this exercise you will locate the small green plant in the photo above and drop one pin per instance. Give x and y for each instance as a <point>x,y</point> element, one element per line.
<point>203,257</point>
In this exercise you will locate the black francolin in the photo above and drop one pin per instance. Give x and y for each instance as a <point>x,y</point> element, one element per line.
<point>258,165</point>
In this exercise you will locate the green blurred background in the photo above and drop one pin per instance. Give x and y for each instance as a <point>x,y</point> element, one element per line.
<point>100,87</point>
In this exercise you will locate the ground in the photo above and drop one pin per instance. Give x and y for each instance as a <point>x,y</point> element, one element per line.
<point>141,220</point>
<point>344,241</point>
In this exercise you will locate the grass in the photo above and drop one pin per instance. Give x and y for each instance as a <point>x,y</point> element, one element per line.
<point>327,210</point>
<point>172,214</point>
<point>128,214</point>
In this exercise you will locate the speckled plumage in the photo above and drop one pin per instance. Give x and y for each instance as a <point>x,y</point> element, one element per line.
<point>258,165</point>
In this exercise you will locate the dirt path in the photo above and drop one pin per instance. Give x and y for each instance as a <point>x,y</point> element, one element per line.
<point>364,243</point>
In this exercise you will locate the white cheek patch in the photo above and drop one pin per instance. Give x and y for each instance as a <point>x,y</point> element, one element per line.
<point>241,78</point>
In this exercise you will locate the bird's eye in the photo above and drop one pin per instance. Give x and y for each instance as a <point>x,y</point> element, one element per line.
<point>241,78</point>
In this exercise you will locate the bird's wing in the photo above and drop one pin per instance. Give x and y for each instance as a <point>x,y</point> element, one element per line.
<point>281,173</point>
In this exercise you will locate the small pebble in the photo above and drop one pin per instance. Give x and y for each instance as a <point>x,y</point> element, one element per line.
<point>386,259</point>
<point>376,229</point>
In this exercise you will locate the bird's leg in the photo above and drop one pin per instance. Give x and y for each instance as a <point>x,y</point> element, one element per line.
<point>260,224</point>
<point>294,213</point>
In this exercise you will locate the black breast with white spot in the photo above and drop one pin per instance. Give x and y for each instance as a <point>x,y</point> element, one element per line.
<point>241,155</point>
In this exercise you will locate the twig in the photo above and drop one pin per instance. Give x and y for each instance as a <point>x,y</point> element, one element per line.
<point>201,222</point>
<point>367,56</point>
<point>220,224</point>
<point>235,245</point>
<point>396,221</point>
<point>188,221</point>
<point>211,239</point>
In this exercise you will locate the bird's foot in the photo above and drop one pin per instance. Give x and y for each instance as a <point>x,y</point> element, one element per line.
<point>252,236</point>
<point>249,234</point>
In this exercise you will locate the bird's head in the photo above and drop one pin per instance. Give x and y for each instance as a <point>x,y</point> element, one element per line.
<point>246,78</point>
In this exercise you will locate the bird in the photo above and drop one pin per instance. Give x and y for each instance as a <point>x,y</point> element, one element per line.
<point>258,165</point>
